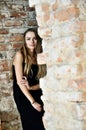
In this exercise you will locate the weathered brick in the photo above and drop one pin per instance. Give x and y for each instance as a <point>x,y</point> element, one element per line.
<point>66,14</point>
<point>4,31</point>
<point>16,38</point>
<point>10,23</point>
<point>3,47</point>
<point>17,7</point>
<point>32,23</point>
<point>4,66</point>
<point>83,25</point>
<point>2,16</point>
<point>45,7</point>
<point>77,84</point>
<point>45,32</point>
<point>17,45</point>
<point>55,6</point>
<point>81,67</point>
<point>18,14</point>
<point>1,39</point>
<point>46,17</point>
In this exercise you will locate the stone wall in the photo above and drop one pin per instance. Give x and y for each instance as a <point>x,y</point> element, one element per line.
<point>62,25</point>
<point>15,17</point>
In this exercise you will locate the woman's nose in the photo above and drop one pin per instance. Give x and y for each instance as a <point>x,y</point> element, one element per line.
<point>32,40</point>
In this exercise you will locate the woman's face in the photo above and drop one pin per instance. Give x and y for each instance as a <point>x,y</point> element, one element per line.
<point>31,40</point>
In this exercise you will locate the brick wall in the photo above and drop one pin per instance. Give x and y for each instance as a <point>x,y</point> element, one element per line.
<point>62,25</point>
<point>15,18</point>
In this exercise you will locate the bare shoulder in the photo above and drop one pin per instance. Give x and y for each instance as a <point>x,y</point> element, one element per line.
<point>18,57</point>
<point>18,54</point>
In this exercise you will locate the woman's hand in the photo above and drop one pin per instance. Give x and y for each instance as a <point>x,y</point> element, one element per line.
<point>24,82</point>
<point>37,106</point>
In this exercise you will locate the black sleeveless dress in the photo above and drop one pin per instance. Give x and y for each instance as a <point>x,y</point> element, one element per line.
<point>31,119</point>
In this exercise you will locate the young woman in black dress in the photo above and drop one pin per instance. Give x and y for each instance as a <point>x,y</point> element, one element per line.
<point>26,89</point>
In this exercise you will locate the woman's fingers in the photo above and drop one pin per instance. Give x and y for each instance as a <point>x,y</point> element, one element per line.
<point>24,81</point>
<point>37,106</point>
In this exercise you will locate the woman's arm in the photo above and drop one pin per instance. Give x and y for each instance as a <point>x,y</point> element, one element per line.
<point>19,74</point>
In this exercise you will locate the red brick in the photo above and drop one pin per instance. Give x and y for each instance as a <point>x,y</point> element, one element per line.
<point>13,23</point>
<point>2,16</point>
<point>3,47</point>
<point>16,38</point>
<point>4,31</point>
<point>17,45</point>
<point>18,14</point>
<point>4,66</point>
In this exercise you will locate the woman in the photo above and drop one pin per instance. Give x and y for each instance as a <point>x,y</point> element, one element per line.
<point>26,89</point>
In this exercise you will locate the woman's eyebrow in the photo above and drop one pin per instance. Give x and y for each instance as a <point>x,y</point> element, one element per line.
<point>30,37</point>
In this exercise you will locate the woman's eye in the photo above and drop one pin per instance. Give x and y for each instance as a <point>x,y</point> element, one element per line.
<point>35,38</point>
<point>28,38</point>
<point>31,39</point>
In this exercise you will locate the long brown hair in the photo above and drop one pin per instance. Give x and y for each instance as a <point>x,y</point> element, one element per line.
<point>28,59</point>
